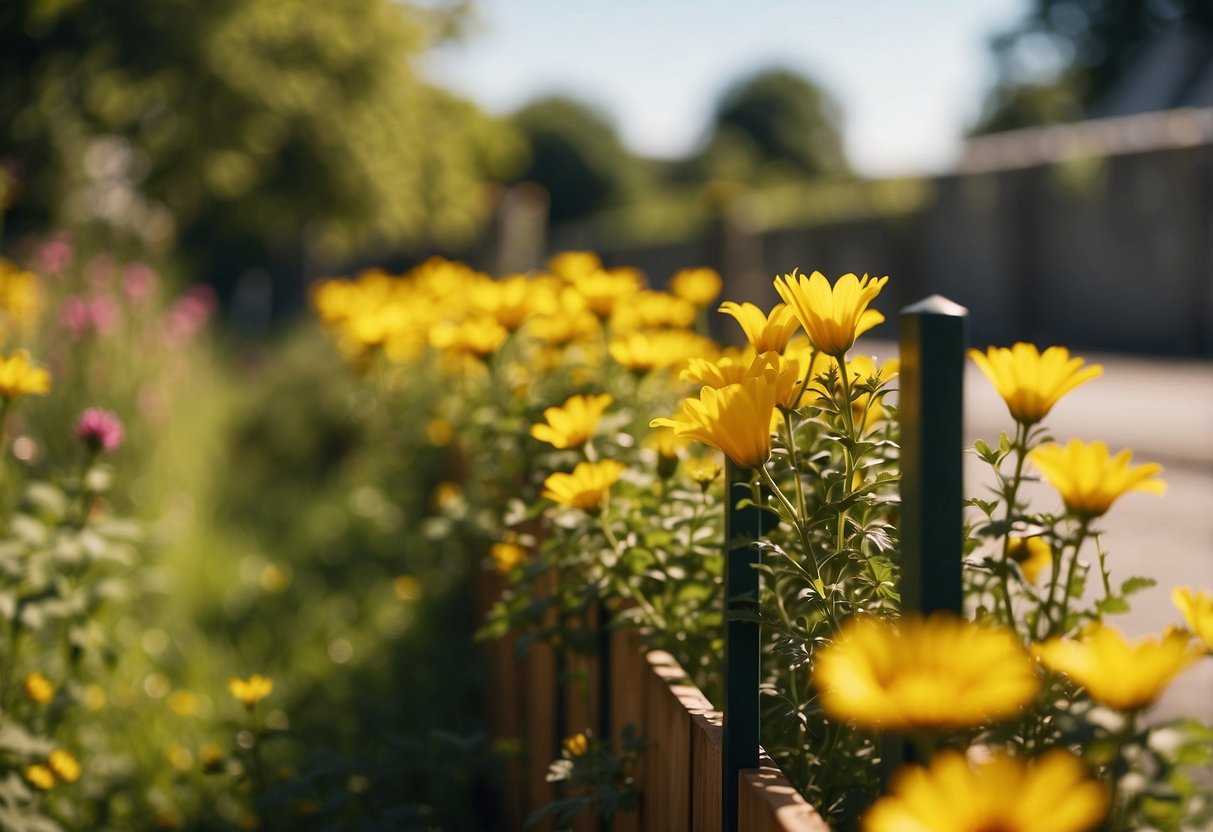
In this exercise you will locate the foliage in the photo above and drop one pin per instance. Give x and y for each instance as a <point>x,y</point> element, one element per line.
<point>576,155</point>
<point>774,126</point>
<point>234,125</point>
<point>1065,54</point>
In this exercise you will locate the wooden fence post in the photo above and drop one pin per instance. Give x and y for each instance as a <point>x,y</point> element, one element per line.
<point>742,667</point>
<point>934,336</point>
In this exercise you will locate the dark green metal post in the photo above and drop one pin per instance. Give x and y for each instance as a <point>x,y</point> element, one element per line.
<point>934,336</point>
<point>742,667</point>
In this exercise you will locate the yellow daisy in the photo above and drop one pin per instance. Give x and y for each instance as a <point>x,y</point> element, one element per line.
<point>1116,673</point>
<point>1052,793</point>
<point>1089,480</point>
<point>936,672</point>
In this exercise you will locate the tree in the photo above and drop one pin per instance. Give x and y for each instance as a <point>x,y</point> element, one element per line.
<point>1066,54</point>
<point>577,156</point>
<point>248,123</point>
<point>774,125</point>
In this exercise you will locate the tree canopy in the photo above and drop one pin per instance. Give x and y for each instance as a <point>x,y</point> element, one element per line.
<point>272,121</point>
<point>577,156</point>
<point>1066,54</point>
<point>772,125</point>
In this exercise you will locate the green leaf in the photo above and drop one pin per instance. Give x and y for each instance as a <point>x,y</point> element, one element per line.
<point>1112,606</point>
<point>1136,584</point>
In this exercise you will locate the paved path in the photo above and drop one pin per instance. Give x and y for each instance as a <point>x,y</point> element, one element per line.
<point>1163,410</point>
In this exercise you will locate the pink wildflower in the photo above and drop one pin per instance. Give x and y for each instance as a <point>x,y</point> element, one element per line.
<point>55,254</point>
<point>104,314</point>
<point>100,430</point>
<point>74,316</point>
<point>188,314</point>
<point>139,282</point>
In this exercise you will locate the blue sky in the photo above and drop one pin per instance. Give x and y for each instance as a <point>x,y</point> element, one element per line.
<point>908,73</point>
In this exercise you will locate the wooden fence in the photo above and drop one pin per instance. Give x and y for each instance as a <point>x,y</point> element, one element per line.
<point>702,768</point>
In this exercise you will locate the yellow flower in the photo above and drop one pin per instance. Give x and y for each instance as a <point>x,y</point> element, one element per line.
<point>1089,480</point>
<point>480,336</point>
<point>571,265</point>
<point>937,672</point>
<point>38,688</point>
<point>510,301</point>
<point>700,286</point>
<point>210,755</point>
<point>1051,793</point>
<point>735,419</point>
<point>1033,554</point>
<point>1031,382</point>
<point>572,424</point>
<point>19,377</point>
<point>586,487</point>
<point>1116,673</point>
<point>641,352</point>
<point>506,556</point>
<point>669,447</point>
<point>866,409</point>
<point>567,322</point>
<point>832,317</point>
<point>407,588</point>
<point>765,334</point>
<point>703,471</point>
<point>606,288</point>
<point>64,766</point>
<point>40,777</point>
<point>252,690</point>
<point>183,703</point>
<point>576,745</point>
<point>1197,610</point>
<point>722,372</point>
<point>652,310</point>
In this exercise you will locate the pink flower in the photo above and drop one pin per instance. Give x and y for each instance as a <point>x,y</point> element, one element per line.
<point>139,282</point>
<point>104,313</point>
<point>74,315</point>
<point>100,430</point>
<point>188,314</point>
<point>55,254</point>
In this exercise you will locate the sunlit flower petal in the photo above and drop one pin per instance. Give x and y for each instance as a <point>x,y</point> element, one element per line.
<point>1197,610</point>
<point>572,424</point>
<point>586,487</point>
<point>1115,672</point>
<point>1089,480</point>
<point>1031,382</point>
<point>833,317</point>
<point>935,672</point>
<point>1052,793</point>
<point>735,419</point>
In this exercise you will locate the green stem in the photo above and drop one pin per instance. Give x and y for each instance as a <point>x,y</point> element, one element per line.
<point>1012,493</point>
<point>655,619</point>
<point>849,462</point>
<point>1119,814</point>
<point>1079,539</point>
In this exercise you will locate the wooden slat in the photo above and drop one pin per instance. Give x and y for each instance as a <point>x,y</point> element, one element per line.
<point>767,802</point>
<point>706,738</point>
<point>668,780</point>
<point>628,705</point>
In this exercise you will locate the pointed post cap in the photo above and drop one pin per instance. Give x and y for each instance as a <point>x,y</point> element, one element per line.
<point>936,305</point>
